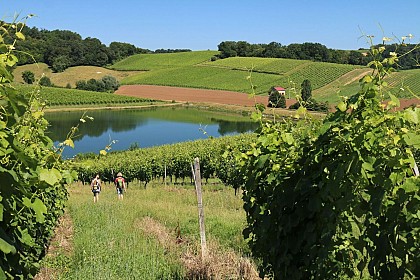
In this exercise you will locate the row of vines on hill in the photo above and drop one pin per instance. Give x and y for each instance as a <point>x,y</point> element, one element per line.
<point>151,163</point>
<point>32,190</point>
<point>62,97</point>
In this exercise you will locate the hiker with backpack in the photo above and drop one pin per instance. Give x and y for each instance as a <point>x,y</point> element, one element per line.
<point>95,186</point>
<point>120,185</point>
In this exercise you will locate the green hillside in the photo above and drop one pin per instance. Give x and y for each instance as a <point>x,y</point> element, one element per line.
<point>401,83</point>
<point>163,60</point>
<point>231,73</point>
<point>269,65</point>
<point>195,69</point>
<point>205,77</point>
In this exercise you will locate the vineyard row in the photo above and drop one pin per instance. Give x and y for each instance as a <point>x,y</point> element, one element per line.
<point>173,160</point>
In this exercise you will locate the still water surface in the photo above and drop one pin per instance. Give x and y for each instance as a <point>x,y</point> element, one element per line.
<point>143,128</point>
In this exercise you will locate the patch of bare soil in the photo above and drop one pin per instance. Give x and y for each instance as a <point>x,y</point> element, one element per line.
<point>61,244</point>
<point>217,265</point>
<point>191,95</point>
<point>413,102</point>
<point>214,97</point>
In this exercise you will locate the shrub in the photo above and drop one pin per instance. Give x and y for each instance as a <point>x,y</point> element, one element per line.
<point>45,81</point>
<point>110,83</point>
<point>276,100</point>
<point>28,77</point>
<point>106,84</point>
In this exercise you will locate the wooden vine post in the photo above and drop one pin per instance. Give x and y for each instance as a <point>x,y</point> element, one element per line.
<point>197,180</point>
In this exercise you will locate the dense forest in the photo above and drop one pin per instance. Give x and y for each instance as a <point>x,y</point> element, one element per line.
<point>61,49</point>
<point>318,52</point>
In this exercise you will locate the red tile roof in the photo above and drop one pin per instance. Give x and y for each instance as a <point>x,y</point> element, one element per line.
<point>279,88</point>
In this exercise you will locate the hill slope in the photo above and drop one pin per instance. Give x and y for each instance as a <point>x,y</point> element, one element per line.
<point>240,74</point>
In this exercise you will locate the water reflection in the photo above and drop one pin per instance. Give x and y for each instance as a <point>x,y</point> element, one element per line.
<point>151,127</point>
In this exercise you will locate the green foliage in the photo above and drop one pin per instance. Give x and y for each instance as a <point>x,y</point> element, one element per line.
<point>61,49</point>
<point>276,100</point>
<point>60,63</point>
<point>106,84</point>
<point>149,163</point>
<point>28,77</point>
<point>32,191</point>
<point>318,52</point>
<point>66,97</point>
<point>338,199</point>
<point>165,60</point>
<point>110,83</point>
<point>120,50</point>
<point>306,90</point>
<point>45,81</point>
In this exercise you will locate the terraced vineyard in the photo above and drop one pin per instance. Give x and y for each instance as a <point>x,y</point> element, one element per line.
<point>206,78</point>
<point>194,69</point>
<point>268,65</point>
<point>408,78</point>
<point>66,97</point>
<point>347,85</point>
<point>164,60</point>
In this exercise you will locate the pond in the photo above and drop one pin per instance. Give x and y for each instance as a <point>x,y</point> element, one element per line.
<point>143,127</point>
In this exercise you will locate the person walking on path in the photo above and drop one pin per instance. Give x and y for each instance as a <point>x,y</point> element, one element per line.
<point>95,186</point>
<point>120,185</point>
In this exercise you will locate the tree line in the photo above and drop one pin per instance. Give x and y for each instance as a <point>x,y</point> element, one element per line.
<point>317,52</point>
<point>61,49</point>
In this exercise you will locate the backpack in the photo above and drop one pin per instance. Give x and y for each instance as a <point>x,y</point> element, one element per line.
<point>95,184</point>
<point>120,182</point>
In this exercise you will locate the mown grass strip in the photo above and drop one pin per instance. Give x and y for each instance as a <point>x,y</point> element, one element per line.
<point>113,240</point>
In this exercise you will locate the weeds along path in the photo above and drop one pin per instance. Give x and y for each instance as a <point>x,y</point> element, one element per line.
<point>152,234</point>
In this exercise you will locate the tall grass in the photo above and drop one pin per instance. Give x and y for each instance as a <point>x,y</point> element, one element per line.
<point>112,239</point>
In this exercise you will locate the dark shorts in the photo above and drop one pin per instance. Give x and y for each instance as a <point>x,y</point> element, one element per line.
<point>96,192</point>
<point>119,191</point>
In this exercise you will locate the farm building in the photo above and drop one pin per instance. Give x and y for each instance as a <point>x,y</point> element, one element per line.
<point>279,90</point>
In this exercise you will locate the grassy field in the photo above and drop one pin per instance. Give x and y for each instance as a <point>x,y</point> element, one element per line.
<point>152,234</point>
<point>70,75</point>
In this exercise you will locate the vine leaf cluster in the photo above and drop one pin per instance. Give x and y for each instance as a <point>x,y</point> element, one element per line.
<point>338,198</point>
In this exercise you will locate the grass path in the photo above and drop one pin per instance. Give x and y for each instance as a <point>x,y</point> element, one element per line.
<point>152,234</point>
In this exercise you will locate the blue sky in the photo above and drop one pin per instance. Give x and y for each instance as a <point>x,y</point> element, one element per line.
<point>203,24</point>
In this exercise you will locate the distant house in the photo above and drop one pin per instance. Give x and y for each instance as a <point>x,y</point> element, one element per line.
<point>280,90</point>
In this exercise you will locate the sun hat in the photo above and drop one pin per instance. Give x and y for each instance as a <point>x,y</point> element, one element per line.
<point>119,174</point>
